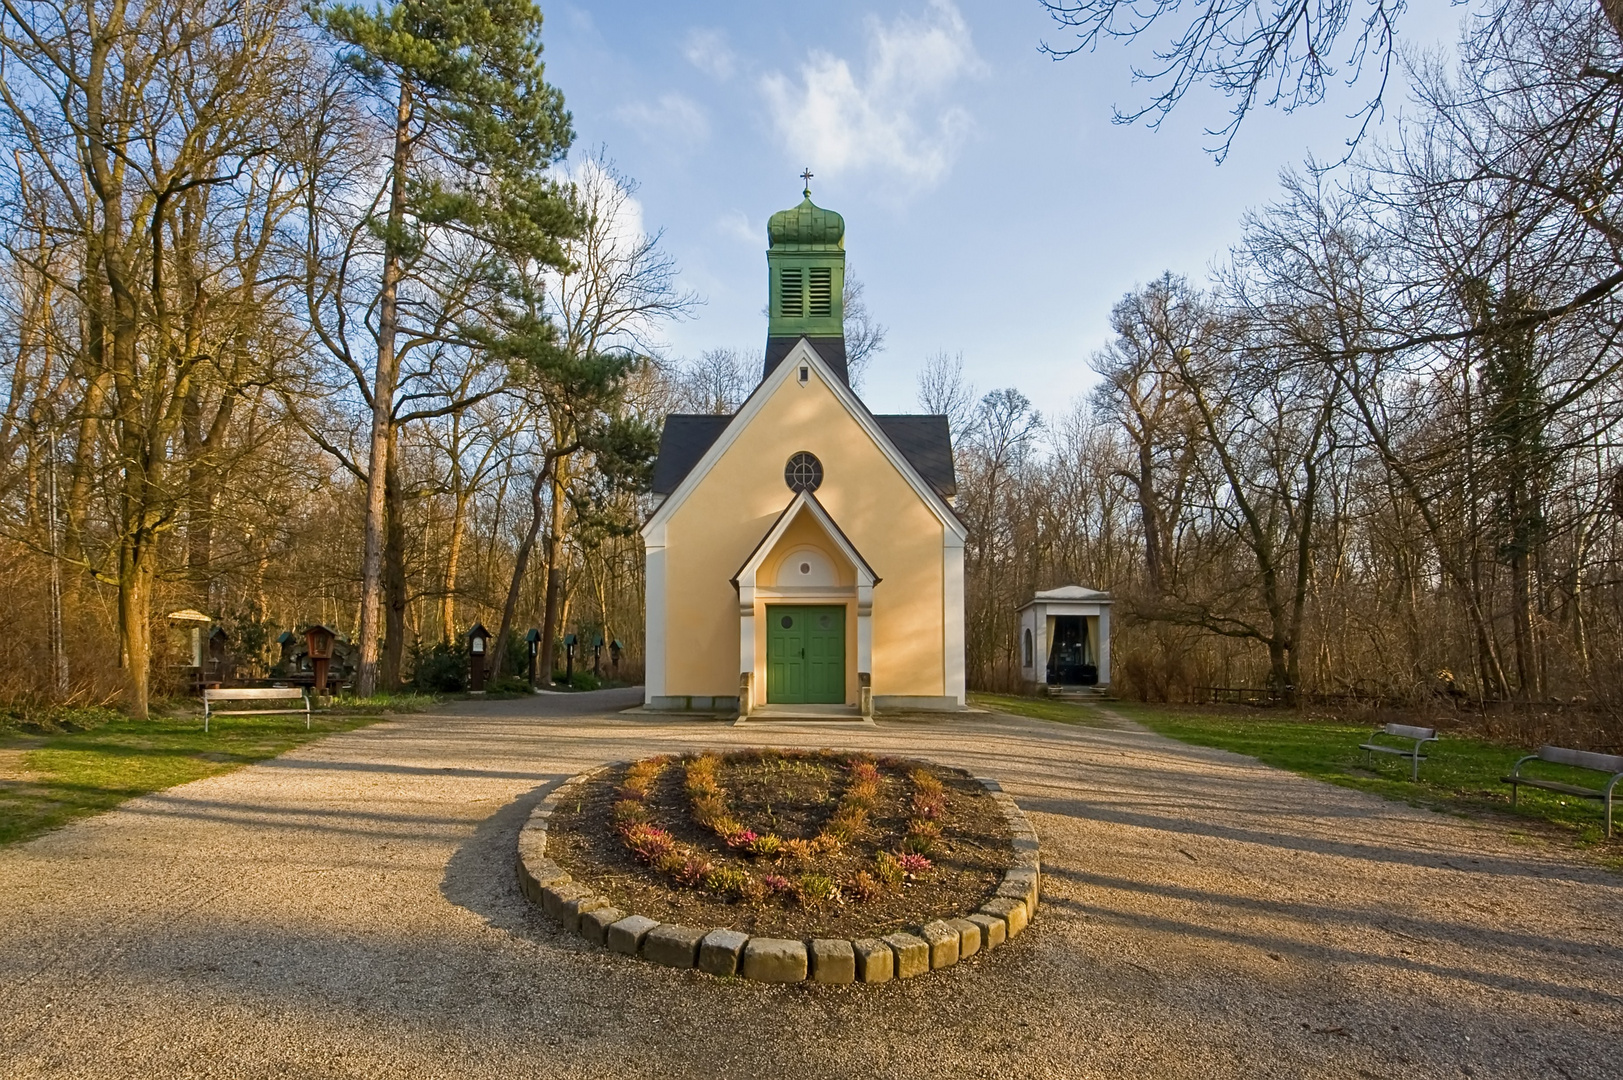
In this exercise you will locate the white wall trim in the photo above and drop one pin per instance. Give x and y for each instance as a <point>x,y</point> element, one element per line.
<point>952,620</point>
<point>654,629</point>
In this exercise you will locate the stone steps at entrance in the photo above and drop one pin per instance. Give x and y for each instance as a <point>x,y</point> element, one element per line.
<point>821,714</point>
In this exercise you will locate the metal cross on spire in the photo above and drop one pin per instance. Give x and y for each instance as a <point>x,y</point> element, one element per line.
<point>807,177</point>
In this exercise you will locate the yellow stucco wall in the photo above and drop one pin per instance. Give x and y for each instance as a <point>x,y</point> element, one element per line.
<point>712,533</point>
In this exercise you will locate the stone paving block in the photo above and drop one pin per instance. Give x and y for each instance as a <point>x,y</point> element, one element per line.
<point>574,909</point>
<point>912,954</point>
<point>626,935</point>
<point>672,945</point>
<point>594,924</point>
<point>720,951</point>
<point>1012,912</point>
<point>1023,891</point>
<point>969,937</point>
<point>554,897</point>
<point>993,930</point>
<point>874,961</point>
<point>943,939</point>
<point>544,872</point>
<point>775,960</point>
<point>833,961</point>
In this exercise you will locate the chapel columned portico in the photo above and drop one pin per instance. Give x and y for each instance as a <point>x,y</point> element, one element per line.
<point>804,576</point>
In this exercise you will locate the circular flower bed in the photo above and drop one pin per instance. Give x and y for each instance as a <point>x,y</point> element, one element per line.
<point>782,841</point>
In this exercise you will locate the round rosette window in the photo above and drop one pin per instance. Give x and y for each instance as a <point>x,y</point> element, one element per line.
<point>803,473</point>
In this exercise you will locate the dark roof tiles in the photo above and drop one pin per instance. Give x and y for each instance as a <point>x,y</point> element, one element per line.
<point>925,441</point>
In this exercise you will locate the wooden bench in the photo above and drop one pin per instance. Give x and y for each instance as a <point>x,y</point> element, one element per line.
<point>1420,736</point>
<point>269,693</point>
<point>1578,759</point>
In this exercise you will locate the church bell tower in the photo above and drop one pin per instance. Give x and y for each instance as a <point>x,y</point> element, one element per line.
<point>805,261</point>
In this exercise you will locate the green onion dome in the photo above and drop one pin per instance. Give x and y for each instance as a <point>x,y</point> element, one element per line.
<point>806,227</point>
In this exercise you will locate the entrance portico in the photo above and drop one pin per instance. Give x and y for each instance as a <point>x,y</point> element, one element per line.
<point>805,614</point>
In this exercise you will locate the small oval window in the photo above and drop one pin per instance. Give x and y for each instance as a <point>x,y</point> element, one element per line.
<point>805,568</point>
<point>787,622</point>
<point>825,622</point>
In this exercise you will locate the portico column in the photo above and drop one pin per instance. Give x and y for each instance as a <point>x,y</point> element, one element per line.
<point>1104,645</point>
<point>746,649</point>
<point>865,649</point>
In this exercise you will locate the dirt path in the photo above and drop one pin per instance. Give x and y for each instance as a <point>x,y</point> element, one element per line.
<point>350,910</point>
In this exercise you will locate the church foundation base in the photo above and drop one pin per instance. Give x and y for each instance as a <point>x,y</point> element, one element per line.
<point>905,703</point>
<point>693,703</point>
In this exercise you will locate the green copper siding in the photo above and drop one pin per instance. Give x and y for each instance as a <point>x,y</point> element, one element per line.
<point>806,266</point>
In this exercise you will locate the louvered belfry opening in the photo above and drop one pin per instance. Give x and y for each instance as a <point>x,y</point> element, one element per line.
<point>793,293</point>
<point>822,292</point>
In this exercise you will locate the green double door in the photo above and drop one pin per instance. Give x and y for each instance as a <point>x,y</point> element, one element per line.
<point>805,655</point>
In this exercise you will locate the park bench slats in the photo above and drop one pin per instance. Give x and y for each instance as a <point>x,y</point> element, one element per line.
<point>1577,759</point>
<point>258,693</point>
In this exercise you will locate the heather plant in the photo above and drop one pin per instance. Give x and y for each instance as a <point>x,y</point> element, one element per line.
<point>648,842</point>
<point>765,846</point>
<point>888,869</point>
<point>694,869</point>
<point>798,850</point>
<point>640,777</point>
<point>728,880</point>
<point>777,883</point>
<point>628,812</point>
<point>814,890</point>
<point>864,886</point>
<point>913,865</point>
<point>918,845</point>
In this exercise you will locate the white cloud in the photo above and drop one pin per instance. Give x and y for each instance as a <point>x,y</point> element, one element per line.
<point>893,118</point>
<point>608,194</point>
<point>672,118</point>
<point>708,51</point>
<point>737,224</point>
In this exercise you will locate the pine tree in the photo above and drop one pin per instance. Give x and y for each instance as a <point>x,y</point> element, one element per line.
<point>474,128</point>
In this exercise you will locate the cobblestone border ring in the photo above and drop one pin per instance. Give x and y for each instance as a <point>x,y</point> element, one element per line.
<point>721,951</point>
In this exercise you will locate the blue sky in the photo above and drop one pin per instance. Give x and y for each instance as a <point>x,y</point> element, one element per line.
<point>991,205</point>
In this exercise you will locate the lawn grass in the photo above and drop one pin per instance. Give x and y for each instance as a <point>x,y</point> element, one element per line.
<point>50,779</point>
<point>1461,775</point>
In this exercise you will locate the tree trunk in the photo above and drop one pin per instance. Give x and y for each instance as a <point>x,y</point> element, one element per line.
<point>383,390</point>
<point>134,621</point>
<point>394,570</point>
<point>453,559</point>
<point>521,564</point>
<point>555,581</point>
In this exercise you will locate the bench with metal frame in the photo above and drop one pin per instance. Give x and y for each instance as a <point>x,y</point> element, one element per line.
<point>269,693</point>
<point>1578,759</point>
<point>1420,736</point>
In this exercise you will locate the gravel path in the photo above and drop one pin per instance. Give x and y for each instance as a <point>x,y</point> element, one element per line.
<point>350,910</point>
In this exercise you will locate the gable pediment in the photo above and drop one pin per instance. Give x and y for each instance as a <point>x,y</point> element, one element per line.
<point>704,440</point>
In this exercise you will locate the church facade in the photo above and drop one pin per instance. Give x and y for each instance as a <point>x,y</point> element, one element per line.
<point>805,554</point>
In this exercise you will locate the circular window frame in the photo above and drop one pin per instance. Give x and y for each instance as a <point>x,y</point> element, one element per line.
<point>803,472</point>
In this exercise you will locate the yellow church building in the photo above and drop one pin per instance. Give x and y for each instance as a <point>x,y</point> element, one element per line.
<point>805,555</point>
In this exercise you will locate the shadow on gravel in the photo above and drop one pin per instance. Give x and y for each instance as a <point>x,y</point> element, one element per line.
<point>481,876</point>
